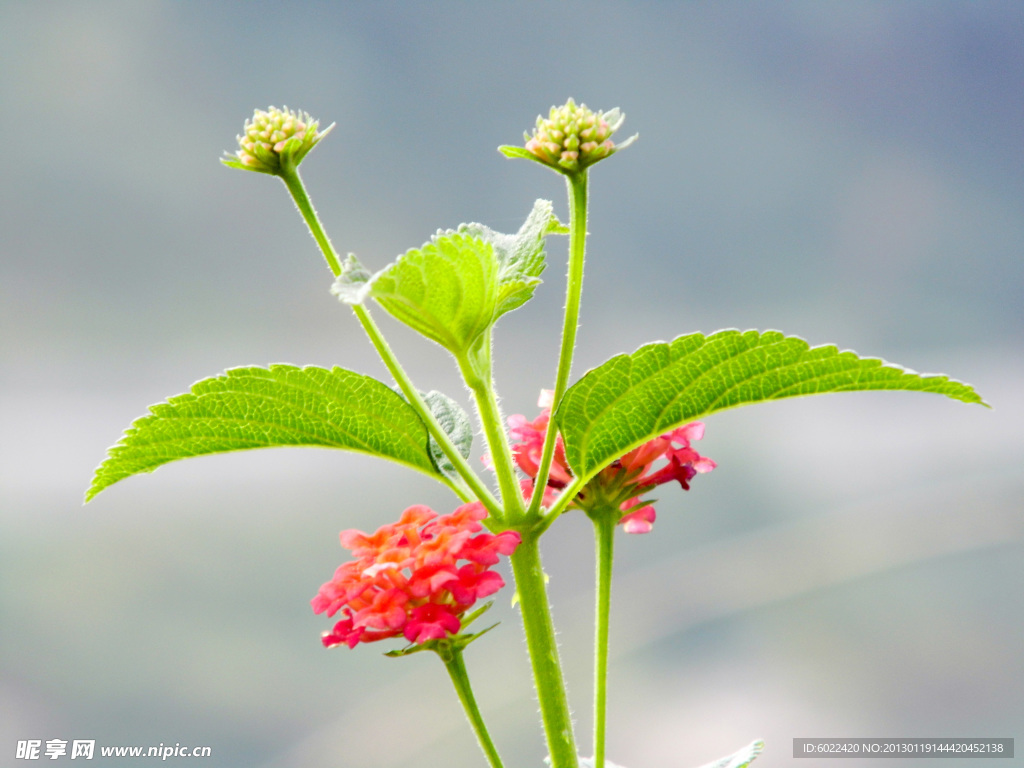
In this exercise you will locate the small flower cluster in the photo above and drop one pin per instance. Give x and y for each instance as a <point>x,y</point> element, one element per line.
<point>275,135</point>
<point>574,137</point>
<point>620,484</point>
<point>406,578</point>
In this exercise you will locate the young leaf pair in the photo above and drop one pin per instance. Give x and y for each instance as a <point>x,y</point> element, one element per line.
<point>452,290</point>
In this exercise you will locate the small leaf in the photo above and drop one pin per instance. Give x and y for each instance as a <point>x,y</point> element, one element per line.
<point>446,646</point>
<point>455,423</point>
<point>471,617</point>
<point>520,256</point>
<point>352,284</point>
<point>740,759</point>
<point>446,290</point>
<point>555,227</point>
<point>454,288</point>
<point>631,399</point>
<point>465,638</point>
<point>408,650</point>
<point>522,153</point>
<point>269,407</point>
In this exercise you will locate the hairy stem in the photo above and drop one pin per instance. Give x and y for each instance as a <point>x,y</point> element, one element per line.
<point>297,189</point>
<point>476,372</point>
<point>540,641</point>
<point>577,186</point>
<point>604,535</point>
<point>565,498</point>
<point>416,401</point>
<point>456,666</point>
<point>293,182</point>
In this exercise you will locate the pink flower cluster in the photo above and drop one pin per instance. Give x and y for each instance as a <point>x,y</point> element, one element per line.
<point>630,476</point>
<point>406,578</point>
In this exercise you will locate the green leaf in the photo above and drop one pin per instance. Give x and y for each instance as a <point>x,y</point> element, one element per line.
<point>631,399</point>
<point>269,407</point>
<point>454,288</point>
<point>446,290</point>
<point>521,153</point>
<point>740,759</point>
<point>353,283</point>
<point>520,256</point>
<point>456,424</point>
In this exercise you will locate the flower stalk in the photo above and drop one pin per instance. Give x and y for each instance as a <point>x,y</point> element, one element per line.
<point>451,655</point>
<point>576,184</point>
<point>477,375</point>
<point>297,189</point>
<point>605,522</point>
<point>416,400</point>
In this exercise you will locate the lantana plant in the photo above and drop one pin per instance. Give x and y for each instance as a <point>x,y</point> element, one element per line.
<point>600,444</point>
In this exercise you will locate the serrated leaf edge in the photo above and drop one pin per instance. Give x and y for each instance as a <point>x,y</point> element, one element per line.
<point>123,444</point>
<point>629,356</point>
<point>517,267</point>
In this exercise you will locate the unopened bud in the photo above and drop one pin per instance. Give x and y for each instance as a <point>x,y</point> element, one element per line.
<point>275,140</point>
<point>575,137</point>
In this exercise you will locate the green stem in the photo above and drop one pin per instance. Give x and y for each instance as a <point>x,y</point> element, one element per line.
<point>416,400</point>
<point>540,642</point>
<point>564,499</point>
<point>456,666</point>
<point>604,535</point>
<point>577,186</point>
<point>293,182</point>
<point>477,374</point>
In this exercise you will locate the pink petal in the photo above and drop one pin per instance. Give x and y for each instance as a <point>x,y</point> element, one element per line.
<point>704,464</point>
<point>639,521</point>
<point>692,431</point>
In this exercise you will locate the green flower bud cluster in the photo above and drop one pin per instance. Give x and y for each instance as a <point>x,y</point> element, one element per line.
<point>574,137</point>
<point>275,140</point>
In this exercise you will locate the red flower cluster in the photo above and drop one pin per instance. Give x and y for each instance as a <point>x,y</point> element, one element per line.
<point>630,476</point>
<point>406,579</point>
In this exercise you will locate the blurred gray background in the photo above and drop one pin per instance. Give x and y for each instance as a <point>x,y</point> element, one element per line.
<point>851,172</point>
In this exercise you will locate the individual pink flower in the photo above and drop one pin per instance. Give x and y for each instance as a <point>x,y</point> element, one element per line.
<point>484,548</point>
<point>385,611</point>
<point>430,579</point>
<point>669,457</point>
<point>639,520</point>
<point>344,632</point>
<point>431,621</point>
<point>529,443</point>
<point>473,582</point>
<point>414,578</point>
